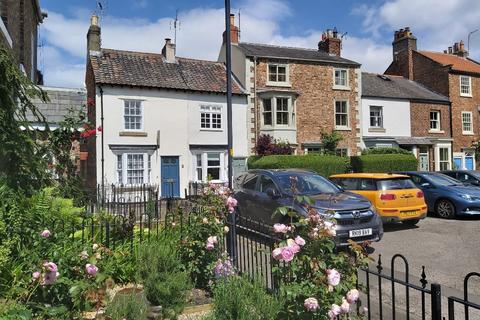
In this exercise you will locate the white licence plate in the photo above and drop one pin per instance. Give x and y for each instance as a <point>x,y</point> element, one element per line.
<point>360,233</point>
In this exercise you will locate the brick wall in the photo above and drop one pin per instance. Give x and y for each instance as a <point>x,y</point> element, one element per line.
<point>21,20</point>
<point>431,74</point>
<point>420,119</point>
<point>89,166</point>
<point>460,104</point>
<point>315,105</point>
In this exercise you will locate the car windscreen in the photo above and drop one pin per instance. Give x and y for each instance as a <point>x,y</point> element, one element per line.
<point>395,184</point>
<point>306,184</point>
<point>443,180</point>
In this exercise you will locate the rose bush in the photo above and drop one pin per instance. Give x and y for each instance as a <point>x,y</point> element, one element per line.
<point>316,280</point>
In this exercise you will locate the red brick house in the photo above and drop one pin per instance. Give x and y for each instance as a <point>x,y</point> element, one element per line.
<point>452,74</point>
<point>295,94</point>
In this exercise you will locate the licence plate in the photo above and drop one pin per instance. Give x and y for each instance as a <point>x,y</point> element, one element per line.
<point>410,213</point>
<point>360,233</point>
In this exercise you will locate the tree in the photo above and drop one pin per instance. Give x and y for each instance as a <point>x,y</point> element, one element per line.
<point>330,142</point>
<point>22,162</point>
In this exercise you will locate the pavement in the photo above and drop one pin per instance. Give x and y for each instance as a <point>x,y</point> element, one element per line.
<point>449,250</point>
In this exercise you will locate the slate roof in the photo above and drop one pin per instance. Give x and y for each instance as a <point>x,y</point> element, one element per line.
<point>457,63</point>
<point>396,87</point>
<point>61,99</point>
<point>293,53</point>
<point>117,67</point>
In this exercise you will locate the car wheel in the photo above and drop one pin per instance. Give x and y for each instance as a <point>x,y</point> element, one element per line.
<point>411,222</point>
<point>445,209</point>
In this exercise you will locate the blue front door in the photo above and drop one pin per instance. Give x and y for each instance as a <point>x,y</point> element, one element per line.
<point>170,177</point>
<point>469,162</point>
<point>457,161</point>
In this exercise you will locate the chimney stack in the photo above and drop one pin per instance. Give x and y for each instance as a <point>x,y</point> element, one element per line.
<point>94,35</point>
<point>330,42</point>
<point>404,43</point>
<point>168,51</point>
<point>234,31</point>
<point>458,49</point>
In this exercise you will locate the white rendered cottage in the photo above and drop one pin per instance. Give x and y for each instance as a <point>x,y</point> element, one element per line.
<point>164,118</point>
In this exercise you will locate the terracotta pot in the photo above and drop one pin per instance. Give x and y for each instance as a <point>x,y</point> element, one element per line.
<point>83,155</point>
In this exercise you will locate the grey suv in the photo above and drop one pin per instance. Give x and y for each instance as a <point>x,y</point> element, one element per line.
<point>261,192</point>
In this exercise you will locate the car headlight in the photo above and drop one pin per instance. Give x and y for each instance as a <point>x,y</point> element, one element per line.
<point>469,197</point>
<point>372,208</point>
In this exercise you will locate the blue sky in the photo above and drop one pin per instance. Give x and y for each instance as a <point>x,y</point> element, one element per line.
<point>142,25</point>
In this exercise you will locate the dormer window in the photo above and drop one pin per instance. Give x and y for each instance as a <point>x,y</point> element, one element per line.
<point>278,74</point>
<point>465,86</point>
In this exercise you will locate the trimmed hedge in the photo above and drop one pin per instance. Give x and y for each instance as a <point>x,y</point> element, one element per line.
<point>321,164</point>
<point>386,151</point>
<point>384,163</point>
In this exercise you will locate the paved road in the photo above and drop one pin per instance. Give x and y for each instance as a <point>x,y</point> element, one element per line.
<point>449,249</point>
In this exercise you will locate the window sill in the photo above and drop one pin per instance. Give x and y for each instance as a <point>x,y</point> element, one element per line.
<point>342,88</point>
<point>279,84</point>
<point>463,95</point>
<point>277,128</point>
<point>133,134</point>
<point>436,131</point>
<point>211,130</point>
<point>377,130</point>
<point>342,129</point>
<point>468,133</point>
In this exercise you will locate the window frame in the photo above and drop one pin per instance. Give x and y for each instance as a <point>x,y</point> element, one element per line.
<point>211,110</point>
<point>276,82</point>
<point>340,86</point>
<point>380,116</point>
<point>339,152</point>
<point>121,167</point>
<point>447,161</point>
<point>463,122</point>
<point>203,155</point>
<point>438,120</point>
<point>142,117</point>
<point>347,115</point>
<point>462,86</point>
<point>274,112</point>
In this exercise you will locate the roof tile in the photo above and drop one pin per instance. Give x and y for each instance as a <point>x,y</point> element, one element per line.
<point>457,63</point>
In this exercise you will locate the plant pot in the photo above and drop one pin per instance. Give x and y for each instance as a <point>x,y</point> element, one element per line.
<point>83,155</point>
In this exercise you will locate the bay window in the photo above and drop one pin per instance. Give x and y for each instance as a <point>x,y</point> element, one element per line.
<point>209,166</point>
<point>133,168</point>
<point>278,111</point>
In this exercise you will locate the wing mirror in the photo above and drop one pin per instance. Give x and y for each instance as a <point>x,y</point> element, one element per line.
<point>272,193</point>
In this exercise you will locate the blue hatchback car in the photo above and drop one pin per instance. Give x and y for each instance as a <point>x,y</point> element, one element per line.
<point>445,196</point>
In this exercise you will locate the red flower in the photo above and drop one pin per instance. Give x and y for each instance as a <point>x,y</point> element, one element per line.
<point>100,129</point>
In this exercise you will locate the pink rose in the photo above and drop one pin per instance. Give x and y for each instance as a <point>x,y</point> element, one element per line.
<point>91,269</point>
<point>209,246</point>
<point>352,296</point>
<point>51,277</point>
<point>36,275</point>
<point>330,228</point>
<point>287,254</point>
<point>300,241</point>
<point>345,307</point>
<point>277,253</point>
<point>280,228</point>
<point>335,311</point>
<point>50,267</point>
<point>213,239</point>
<point>83,255</point>
<point>231,204</point>
<point>45,233</point>
<point>333,277</point>
<point>311,304</point>
<point>295,248</point>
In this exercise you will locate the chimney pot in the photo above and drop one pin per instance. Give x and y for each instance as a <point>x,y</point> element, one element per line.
<point>450,50</point>
<point>232,19</point>
<point>168,50</point>
<point>168,40</point>
<point>94,20</point>
<point>234,31</point>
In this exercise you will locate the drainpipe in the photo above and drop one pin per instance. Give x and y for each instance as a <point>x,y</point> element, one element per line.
<point>255,117</point>
<point>103,144</point>
<point>451,135</point>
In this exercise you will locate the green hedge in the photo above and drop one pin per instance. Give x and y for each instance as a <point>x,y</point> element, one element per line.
<point>384,163</point>
<point>385,151</point>
<point>323,165</point>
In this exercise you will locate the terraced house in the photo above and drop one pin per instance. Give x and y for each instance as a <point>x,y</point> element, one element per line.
<point>452,74</point>
<point>295,94</point>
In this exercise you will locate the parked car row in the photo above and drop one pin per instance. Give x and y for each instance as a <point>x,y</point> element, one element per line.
<point>359,202</point>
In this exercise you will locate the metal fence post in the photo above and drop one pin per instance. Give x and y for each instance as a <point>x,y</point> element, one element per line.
<point>232,237</point>
<point>436,301</point>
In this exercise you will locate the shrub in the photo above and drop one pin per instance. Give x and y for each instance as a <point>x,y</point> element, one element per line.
<point>384,163</point>
<point>236,298</point>
<point>161,273</point>
<point>385,151</point>
<point>323,165</point>
<point>132,306</point>
<point>267,145</point>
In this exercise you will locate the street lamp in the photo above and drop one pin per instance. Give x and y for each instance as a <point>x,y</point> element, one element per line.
<point>468,40</point>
